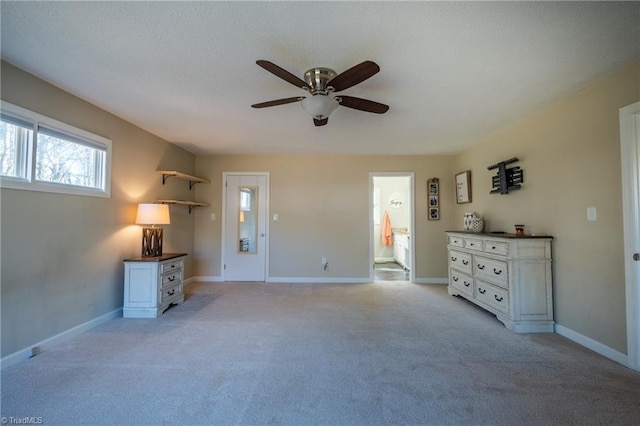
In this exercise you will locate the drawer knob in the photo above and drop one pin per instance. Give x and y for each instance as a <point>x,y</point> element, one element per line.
<point>173,278</point>
<point>172,292</point>
<point>455,279</point>
<point>481,267</point>
<point>497,271</point>
<point>493,247</point>
<point>453,259</point>
<point>482,291</point>
<point>499,299</point>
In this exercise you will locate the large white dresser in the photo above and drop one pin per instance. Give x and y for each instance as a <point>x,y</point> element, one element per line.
<point>152,284</point>
<point>508,275</point>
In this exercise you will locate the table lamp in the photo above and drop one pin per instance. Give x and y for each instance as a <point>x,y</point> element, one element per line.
<point>152,214</point>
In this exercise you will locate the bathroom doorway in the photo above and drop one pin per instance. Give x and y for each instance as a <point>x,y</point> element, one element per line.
<point>391,226</point>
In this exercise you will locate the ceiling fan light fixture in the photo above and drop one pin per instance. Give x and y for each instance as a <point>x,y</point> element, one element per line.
<point>319,106</point>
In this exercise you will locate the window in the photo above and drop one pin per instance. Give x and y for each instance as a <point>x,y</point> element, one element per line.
<point>245,199</point>
<point>15,134</point>
<point>41,154</point>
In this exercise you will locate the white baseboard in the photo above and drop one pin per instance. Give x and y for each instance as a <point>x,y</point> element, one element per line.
<point>594,345</point>
<point>49,343</point>
<point>444,280</point>
<point>328,280</point>
<point>207,279</point>
<point>383,259</point>
<point>303,280</point>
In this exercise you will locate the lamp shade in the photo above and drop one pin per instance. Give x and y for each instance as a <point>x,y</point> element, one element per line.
<point>153,214</point>
<point>319,106</point>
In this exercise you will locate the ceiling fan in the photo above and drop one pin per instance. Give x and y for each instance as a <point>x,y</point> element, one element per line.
<point>320,83</point>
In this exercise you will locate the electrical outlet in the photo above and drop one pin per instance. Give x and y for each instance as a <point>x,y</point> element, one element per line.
<point>324,261</point>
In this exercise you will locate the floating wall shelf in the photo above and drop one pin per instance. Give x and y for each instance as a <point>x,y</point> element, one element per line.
<point>191,179</point>
<point>192,204</point>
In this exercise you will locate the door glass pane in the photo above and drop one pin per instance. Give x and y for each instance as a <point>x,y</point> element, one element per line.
<point>247,219</point>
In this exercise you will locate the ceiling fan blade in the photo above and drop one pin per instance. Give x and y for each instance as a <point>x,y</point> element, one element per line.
<point>282,73</point>
<point>354,75</point>
<point>277,102</point>
<point>363,104</point>
<point>322,122</point>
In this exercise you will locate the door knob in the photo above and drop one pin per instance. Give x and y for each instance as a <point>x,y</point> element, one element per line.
<point>262,234</point>
<point>636,257</point>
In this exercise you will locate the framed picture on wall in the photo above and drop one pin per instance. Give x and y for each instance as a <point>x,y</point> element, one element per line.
<point>463,187</point>
<point>433,199</point>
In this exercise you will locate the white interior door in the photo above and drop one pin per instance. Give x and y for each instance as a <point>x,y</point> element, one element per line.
<point>245,225</point>
<point>630,150</point>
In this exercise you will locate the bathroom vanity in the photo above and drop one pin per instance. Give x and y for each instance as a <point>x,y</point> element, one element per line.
<point>402,249</point>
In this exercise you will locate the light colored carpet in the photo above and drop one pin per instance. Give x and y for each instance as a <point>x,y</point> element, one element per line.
<point>306,354</point>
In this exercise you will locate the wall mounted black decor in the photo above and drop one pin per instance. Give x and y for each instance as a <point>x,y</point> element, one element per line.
<point>506,179</point>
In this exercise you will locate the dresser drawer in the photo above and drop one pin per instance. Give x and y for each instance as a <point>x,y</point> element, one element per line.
<point>461,282</point>
<point>456,241</point>
<point>493,296</point>
<point>170,293</point>
<point>170,266</point>
<point>496,247</point>
<point>473,243</point>
<point>460,261</point>
<point>171,278</point>
<point>494,271</point>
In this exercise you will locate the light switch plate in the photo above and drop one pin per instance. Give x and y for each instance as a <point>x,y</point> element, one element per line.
<point>592,214</point>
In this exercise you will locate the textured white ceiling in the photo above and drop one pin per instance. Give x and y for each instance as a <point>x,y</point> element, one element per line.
<point>452,73</point>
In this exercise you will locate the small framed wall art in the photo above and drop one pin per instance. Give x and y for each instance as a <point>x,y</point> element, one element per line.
<point>433,197</point>
<point>463,187</point>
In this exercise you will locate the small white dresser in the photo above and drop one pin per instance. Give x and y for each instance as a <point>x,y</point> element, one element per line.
<point>508,275</point>
<point>152,284</point>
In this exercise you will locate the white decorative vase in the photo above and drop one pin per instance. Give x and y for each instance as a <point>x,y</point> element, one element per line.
<point>477,225</point>
<point>473,222</point>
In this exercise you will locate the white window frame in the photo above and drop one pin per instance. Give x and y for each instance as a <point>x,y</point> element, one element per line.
<point>30,182</point>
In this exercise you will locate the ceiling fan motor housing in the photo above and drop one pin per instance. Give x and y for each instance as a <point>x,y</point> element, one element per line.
<point>317,79</point>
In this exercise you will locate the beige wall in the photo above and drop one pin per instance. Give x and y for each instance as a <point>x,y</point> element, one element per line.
<point>570,154</point>
<point>61,259</point>
<point>323,208</point>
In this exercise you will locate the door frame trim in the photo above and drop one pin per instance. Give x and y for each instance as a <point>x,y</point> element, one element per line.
<point>629,132</point>
<point>223,238</point>
<point>412,222</point>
